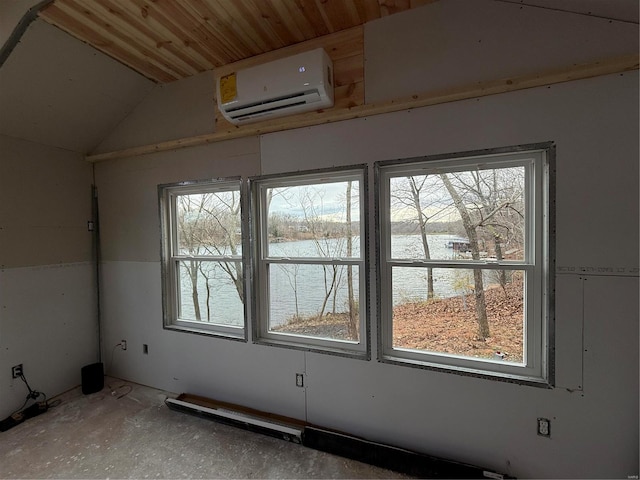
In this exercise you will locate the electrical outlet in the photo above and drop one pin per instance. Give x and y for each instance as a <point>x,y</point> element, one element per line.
<point>16,371</point>
<point>299,380</point>
<point>544,427</point>
<point>123,344</point>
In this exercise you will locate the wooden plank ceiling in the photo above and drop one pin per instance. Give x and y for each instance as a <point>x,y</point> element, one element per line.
<point>166,40</point>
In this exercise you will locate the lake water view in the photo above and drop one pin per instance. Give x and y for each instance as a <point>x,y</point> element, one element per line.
<point>299,289</point>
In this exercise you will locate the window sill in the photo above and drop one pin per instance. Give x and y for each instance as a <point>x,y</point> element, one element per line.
<point>240,335</point>
<point>306,347</point>
<point>524,379</point>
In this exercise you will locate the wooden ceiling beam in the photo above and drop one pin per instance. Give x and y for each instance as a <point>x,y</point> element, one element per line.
<point>61,18</point>
<point>390,7</point>
<point>337,15</point>
<point>223,38</point>
<point>101,14</point>
<point>339,45</point>
<point>156,37</point>
<point>266,19</point>
<point>311,13</point>
<point>231,15</point>
<point>292,20</point>
<point>476,90</point>
<point>165,40</point>
<point>184,28</point>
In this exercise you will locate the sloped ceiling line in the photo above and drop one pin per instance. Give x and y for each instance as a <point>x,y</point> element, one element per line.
<point>19,30</point>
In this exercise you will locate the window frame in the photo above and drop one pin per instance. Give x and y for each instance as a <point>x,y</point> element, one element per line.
<point>260,261</point>
<point>167,194</point>
<point>538,262</point>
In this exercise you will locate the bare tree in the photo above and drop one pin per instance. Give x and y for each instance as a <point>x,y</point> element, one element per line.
<point>311,201</point>
<point>420,194</point>
<point>291,271</point>
<point>470,228</point>
<point>496,195</point>
<point>189,223</point>
<point>209,224</point>
<point>491,205</point>
<point>222,235</point>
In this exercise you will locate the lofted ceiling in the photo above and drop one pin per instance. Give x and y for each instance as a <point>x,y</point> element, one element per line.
<point>166,40</point>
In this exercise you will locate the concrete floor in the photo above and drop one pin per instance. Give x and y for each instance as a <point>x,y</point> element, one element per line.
<point>137,436</point>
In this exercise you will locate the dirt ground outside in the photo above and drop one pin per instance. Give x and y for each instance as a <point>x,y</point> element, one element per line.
<point>445,325</point>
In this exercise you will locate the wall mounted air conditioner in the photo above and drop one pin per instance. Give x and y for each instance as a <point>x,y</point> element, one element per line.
<point>295,84</point>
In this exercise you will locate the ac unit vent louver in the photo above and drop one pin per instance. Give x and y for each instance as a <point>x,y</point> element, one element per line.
<point>283,87</point>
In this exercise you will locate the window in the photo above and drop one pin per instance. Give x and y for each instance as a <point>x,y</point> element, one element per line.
<point>310,268</point>
<point>464,263</point>
<point>203,277</point>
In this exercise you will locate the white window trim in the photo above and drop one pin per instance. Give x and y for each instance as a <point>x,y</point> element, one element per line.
<point>537,368</point>
<point>261,262</point>
<point>169,260</point>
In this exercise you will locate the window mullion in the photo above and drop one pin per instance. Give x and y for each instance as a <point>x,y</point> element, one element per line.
<point>209,258</point>
<point>460,264</point>
<point>314,261</point>
<point>173,230</point>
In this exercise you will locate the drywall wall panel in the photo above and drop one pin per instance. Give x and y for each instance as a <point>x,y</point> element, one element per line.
<point>227,370</point>
<point>569,332</point>
<point>48,324</point>
<point>485,423</point>
<point>594,124</point>
<point>472,420</point>
<point>184,108</point>
<point>45,203</point>
<point>128,191</point>
<point>602,424</point>
<point>493,424</point>
<point>611,308</point>
<point>460,42</point>
<point>131,302</point>
<point>60,92</point>
<point>47,278</point>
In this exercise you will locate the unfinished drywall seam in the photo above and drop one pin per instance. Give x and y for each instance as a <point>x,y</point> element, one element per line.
<point>558,9</point>
<point>97,257</point>
<point>19,30</point>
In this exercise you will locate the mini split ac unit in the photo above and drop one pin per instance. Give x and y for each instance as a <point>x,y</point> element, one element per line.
<point>295,84</point>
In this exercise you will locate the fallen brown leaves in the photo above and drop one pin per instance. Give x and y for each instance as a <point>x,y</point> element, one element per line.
<point>449,325</point>
<point>445,325</point>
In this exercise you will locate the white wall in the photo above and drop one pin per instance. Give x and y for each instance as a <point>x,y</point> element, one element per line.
<point>593,408</point>
<point>226,370</point>
<point>491,423</point>
<point>173,110</point>
<point>478,421</point>
<point>455,43</point>
<point>57,91</point>
<point>58,99</point>
<point>47,289</point>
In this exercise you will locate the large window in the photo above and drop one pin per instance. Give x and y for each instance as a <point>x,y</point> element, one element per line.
<point>203,276</point>
<point>464,263</point>
<point>310,283</point>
